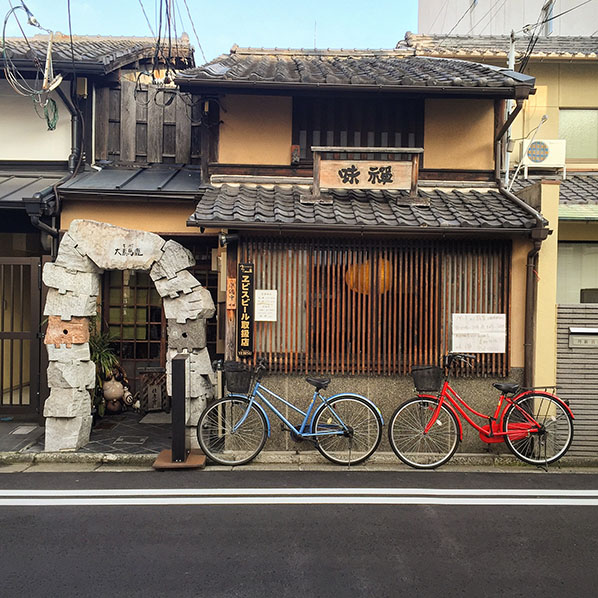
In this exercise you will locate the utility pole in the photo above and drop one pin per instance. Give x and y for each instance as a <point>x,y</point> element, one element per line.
<point>511,66</point>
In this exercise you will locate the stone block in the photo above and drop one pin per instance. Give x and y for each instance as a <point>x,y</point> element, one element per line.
<point>194,406</point>
<point>74,374</point>
<point>69,353</point>
<point>79,283</point>
<point>67,402</point>
<point>197,366</point>
<point>190,335</point>
<point>67,433</point>
<point>68,305</point>
<point>174,258</point>
<point>197,304</point>
<point>76,331</point>
<point>183,282</point>
<point>114,248</point>
<point>71,259</point>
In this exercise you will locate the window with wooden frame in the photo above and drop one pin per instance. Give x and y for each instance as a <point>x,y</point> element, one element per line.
<point>357,122</point>
<point>375,307</point>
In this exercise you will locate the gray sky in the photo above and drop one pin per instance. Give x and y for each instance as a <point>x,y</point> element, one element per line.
<point>219,25</point>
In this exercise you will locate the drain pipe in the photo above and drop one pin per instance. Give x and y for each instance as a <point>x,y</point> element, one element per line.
<point>538,234</point>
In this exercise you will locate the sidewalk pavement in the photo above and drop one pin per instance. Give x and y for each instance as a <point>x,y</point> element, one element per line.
<point>132,440</point>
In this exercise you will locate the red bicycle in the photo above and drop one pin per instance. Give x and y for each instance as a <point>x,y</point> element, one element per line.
<point>424,431</point>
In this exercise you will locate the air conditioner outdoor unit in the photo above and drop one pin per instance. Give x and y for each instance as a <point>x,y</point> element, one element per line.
<point>543,153</point>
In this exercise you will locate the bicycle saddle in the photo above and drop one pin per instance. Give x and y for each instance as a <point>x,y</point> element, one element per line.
<point>508,388</point>
<point>319,383</point>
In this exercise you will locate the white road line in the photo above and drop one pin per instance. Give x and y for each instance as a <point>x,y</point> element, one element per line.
<point>282,496</point>
<point>294,500</point>
<point>518,492</point>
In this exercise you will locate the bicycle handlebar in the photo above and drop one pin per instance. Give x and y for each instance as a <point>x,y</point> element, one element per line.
<point>462,357</point>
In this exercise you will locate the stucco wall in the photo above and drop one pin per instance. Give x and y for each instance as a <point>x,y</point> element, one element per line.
<point>255,130</point>
<point>458,134</point>
<point>158,217</point>
<point>518,283</point>
<point>25,136</point>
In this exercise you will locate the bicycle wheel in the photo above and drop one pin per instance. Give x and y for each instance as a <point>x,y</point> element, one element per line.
<point>410,444</point>
<point>354,442</point>
<point>219,439</point>
<point>530,444</point>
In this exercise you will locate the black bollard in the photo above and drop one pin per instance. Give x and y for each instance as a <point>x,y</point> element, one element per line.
<point>179,451</point>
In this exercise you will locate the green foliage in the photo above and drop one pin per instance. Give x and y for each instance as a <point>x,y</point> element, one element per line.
<point>104,356</point>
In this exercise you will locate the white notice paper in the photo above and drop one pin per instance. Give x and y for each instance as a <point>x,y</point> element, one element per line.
<point>266,301</point>
<point>479,333</point>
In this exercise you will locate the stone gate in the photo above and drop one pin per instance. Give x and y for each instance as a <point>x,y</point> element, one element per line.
<point>74,281</point>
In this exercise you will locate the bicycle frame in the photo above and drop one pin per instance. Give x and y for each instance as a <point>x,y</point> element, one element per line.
<point>493,431</point>
<point>259,390</point>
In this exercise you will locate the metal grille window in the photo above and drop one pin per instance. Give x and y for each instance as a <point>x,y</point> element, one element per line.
<point>374,307</point>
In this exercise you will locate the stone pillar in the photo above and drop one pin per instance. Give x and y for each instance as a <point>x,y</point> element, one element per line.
<point>187,305</point>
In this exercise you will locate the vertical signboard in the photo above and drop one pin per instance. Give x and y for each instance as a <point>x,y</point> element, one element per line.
<point>245,308</point>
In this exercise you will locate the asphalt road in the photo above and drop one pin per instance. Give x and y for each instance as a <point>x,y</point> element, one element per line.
<point>223,534</point>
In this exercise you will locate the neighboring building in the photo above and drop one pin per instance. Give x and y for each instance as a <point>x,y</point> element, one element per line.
<point>566,73</point>
<point>34,160</point>
<point>367,280</point>
<point>488,17</point>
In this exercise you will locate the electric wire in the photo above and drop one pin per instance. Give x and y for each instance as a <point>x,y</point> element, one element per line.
<point>547,20</point>
<point>485,15</point>
<point>195,32</point>
<point>481,31</point>
<point>146,18</point>
<point>474,2</point>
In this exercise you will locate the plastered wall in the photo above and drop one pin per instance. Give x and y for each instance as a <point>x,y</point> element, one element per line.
<point>255,130</point>
<point>25,136</point>
<point>159,217</point>
<point>458,134</point>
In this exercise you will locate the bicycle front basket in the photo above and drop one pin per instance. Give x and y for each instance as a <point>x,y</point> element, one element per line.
<point>237,376</point>
<point>427,378</point>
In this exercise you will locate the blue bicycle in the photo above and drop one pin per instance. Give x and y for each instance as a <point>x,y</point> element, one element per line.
<point>346,428</point>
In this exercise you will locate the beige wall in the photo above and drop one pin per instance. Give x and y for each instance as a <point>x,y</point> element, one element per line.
<point>578,231</point>
<point>458,134</point>
<point>158,217</point>
<point>559,85</point>
<point>255,130</point>
<point>545,338</point>
<point>518,282</point>
<point>25,136</point>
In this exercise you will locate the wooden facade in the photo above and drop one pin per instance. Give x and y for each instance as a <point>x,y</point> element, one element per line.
<point>374,307</point>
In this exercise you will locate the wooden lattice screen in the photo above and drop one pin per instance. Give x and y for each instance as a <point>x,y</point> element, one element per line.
<point>377,307</point>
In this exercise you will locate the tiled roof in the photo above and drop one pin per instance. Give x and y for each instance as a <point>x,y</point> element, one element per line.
<point>435,209</point>
<point>163,180</point>
<point>576,189</point>
<point>488,46</point>
<point>92,53</point>
<point>358,69</point>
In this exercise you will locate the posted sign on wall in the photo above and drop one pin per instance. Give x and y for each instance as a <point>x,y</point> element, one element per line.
<point>479,333</point>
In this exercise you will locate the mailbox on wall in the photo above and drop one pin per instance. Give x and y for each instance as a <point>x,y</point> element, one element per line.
<point>583,338</point>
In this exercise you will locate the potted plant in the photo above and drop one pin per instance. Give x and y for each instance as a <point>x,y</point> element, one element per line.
<point>105,358</point>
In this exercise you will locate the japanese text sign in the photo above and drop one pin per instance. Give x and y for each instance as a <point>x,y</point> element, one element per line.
<point>245,309</point>
<point>365,174</point>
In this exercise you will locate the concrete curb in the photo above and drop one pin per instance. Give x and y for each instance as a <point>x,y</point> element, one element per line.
<point>286,458</point>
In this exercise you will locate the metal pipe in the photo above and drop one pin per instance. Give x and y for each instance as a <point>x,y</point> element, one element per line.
<point>531,292</point>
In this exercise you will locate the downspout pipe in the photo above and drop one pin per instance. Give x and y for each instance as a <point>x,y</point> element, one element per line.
<point>538,234</point>
<point>73,159</point>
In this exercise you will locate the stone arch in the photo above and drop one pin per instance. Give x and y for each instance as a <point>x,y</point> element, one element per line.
<point>74,279</point>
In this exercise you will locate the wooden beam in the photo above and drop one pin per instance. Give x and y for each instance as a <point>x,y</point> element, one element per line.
<point>101,122</point>
<point>183,132</point>
<point>128,121</point>
<point>155,126</point>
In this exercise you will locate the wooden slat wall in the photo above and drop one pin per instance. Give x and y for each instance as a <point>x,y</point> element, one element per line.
<point>577,376</point>
<point>378,122</point>
<point>139,125</point>
<point>376,307</point>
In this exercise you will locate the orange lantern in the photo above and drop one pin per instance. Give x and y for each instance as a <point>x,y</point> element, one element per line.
<point>358,277</point>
